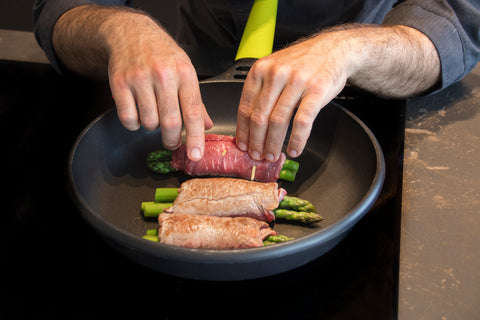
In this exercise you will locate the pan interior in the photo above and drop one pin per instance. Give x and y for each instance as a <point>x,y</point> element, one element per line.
<point>110,178</point>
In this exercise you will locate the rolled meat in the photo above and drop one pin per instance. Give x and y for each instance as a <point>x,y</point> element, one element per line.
<point>223,158</point>
<point>228,197</point>
<point>210,232</point>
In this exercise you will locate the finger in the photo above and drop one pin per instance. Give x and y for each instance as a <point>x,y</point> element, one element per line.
<point>125,103</point>
<point>170,118</point>
<point>252,85</point>
<point>301,128</point>
<point>308,109</point>
<point>207,119</point>
<point>280,120</point>
<point>145,96</point>
<point>193,111</point>
<point>264,99</point>
<point>261,116</point>
<point>319,93</point>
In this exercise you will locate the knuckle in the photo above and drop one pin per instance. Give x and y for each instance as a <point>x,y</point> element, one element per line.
<point>150,123</point>
<point>259,68</point>
<point>118,81</point>
<point>303,121</point>
<point>185,69</point>
<point>129,121</point>
<point>277,119</point>
<point>298,137</point>
<point>266,68</point>
<point>258,120</point>
<point>298,78</point>
<point>317,87</point>
<point>162,73</point>
<point>193,113</point>
<point>243,112</point>
<point>170,124</point>
<point>279,71</point>
<point>138,75</point>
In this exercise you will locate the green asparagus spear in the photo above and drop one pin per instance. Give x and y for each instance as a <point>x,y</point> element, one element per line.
<point>162,167</point>
<point>303,217</point>
<point>152,209</point>
<point>152,232</point>
<point>289,170</point>
<point>159,161</point>
<point>296,204</point>
<point>166,194</point>
<point>275,239</point>
<point>287,175</point>
<point>151,238</point>
<point>159,155</point>
<point>152,235</point>
<point>291,165</point>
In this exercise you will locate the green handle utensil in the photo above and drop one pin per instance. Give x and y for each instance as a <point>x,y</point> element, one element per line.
<point>257,38</point>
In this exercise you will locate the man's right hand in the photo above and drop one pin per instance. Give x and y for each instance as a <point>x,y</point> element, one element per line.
<point>153,82</point>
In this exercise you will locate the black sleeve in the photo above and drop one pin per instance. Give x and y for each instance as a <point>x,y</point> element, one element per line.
<point>452,25</point>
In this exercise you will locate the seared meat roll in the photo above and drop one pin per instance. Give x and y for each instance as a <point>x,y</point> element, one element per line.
<point>228,197</point>
<point>210,232</point>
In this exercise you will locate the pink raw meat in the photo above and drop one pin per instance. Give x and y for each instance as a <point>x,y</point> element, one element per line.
<point>223,158</point>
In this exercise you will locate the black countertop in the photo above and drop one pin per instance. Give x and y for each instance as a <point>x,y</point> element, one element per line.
<point>440,228</point>
<point>54,264</point>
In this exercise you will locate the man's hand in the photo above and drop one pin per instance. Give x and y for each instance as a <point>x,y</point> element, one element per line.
<point>389,61</point>
<point>306,76</point>
<point>152,79</point>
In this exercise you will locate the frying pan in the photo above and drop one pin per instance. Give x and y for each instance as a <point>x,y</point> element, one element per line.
<point>342,172</point>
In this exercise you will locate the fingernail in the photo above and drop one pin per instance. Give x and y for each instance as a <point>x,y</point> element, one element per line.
<point>195,154</point>
<point>255,155</point>
<point>242,146</point>
<point>292,153</point>
<point>269,156</point>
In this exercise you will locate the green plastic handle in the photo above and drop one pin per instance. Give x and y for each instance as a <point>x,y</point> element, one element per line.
<point>257,38</point>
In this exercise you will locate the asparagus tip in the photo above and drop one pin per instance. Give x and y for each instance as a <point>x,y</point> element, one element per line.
<point>151,238</point>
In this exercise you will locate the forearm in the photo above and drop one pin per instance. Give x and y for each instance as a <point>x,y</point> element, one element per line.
<point>393,62</point>
<point>83,37</point>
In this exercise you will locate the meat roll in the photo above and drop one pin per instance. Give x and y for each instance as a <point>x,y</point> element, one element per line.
<point>223,158</point>
<point>210,232</point>
<point>228,197</point>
